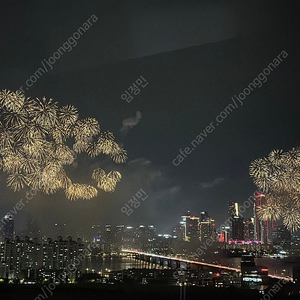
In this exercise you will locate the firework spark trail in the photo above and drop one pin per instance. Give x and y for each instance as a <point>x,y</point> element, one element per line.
<point>33,152</point>
<point>278,176</point>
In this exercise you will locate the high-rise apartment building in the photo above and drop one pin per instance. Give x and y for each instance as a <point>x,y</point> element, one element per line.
<point>19,258</point>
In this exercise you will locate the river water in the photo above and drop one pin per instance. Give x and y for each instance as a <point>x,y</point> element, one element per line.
<point>99,264</point>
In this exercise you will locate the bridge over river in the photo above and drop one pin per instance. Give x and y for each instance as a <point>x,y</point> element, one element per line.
<point>171,262</point>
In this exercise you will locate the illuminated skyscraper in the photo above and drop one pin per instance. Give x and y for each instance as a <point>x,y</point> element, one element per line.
<point>107,239</point>
<point>261,228</point>
<point>224,234</point>
<point>233,208</point>
<point>237,228</point>
<point>206,226</point>
<point>8,226</point>
<point>191,228</point>
<point>119,236</point>
<point>249,229</point>
<point>194,228</point>
<point>179,232</point>
<point>129,237</point>
<point>235,221</point>
<point>204,216</point>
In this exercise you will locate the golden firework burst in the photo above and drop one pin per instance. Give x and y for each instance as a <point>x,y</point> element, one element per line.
<point>279,177</point>
<point>35,138</point>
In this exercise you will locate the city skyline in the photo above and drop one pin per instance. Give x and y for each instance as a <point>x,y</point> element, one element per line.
<point>235,226</point>
<point>25,217</point>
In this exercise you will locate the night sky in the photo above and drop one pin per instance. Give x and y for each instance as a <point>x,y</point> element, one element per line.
<point>195,55</point>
